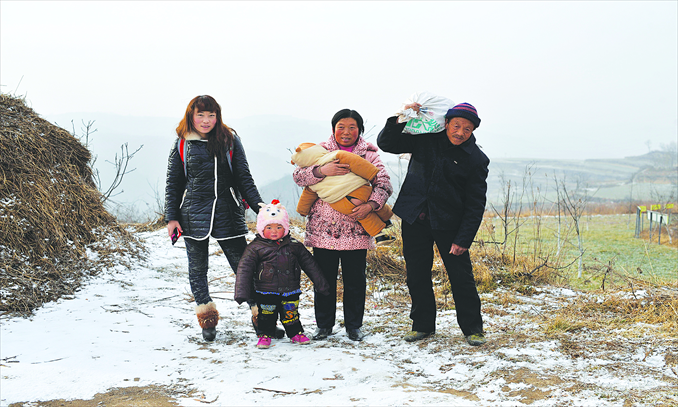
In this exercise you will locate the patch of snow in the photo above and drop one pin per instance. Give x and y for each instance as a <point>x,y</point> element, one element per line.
<point>134,326</point>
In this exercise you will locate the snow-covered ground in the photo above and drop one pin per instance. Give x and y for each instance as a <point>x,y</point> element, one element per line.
<point>135,327</point>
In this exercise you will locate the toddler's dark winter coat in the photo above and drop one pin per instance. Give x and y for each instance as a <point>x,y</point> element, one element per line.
<point>275,267</point>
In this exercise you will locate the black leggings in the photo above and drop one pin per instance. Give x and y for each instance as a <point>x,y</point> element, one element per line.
<point>353,263</point>
<point>198,254</point>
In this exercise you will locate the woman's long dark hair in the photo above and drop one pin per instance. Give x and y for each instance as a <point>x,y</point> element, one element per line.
<point>221,136</point>
<point>349,114</point>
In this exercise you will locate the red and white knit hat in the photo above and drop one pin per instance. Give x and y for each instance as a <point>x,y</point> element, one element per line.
<point>272,213</point>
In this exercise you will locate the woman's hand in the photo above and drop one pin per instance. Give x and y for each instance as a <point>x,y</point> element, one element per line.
<point>334,168</point>
<point>171,225</point>
<point>414,106</point>
<point>361,211</point>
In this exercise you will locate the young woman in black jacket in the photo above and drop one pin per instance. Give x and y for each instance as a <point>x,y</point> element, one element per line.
<point>207,178</point>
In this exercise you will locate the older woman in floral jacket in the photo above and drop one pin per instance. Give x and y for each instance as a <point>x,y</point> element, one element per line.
<point>335,237</point>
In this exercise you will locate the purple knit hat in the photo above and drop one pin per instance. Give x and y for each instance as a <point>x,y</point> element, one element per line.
<point>465,110</point>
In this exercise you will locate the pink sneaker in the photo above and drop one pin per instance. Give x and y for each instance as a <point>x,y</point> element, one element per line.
<point>264,342</point>
<point>301,339</point>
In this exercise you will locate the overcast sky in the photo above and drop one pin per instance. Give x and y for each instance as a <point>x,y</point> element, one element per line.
<point>549,79</point>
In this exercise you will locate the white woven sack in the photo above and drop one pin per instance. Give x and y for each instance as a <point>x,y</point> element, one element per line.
<point>431,116</point>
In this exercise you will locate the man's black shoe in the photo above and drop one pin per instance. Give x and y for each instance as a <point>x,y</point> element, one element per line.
<point>476,339</point>
<point>355,334</point>
<point>416,336</point>
<point>322,333</point>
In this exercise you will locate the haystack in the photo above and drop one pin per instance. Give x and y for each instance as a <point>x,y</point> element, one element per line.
<point>54,230</point>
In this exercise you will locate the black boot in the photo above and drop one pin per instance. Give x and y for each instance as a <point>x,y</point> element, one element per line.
<point>355,334</point>
<point>209,334</point>
<point>208,318</point>
<point>322,333</point>
<point>279,332</point>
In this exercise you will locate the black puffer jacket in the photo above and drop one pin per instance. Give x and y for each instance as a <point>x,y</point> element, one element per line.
<point>275,266</point>
<point>446,181</point>
<point>212,204</point>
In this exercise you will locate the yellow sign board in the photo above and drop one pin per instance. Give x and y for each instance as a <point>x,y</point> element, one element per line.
<point>669,206</point>
<point>642,208</point>
<point>655,207</point>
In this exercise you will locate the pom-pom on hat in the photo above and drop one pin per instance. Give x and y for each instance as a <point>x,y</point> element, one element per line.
<point>465,110</point>
<point>272,213</point>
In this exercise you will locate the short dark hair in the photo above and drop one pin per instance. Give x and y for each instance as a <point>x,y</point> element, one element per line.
<point>348,114</point>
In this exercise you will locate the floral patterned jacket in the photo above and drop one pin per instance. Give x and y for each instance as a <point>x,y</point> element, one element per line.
<point>329,229</point>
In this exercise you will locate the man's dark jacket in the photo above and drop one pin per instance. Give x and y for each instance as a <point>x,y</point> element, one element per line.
<point>207,201</point>
<point>447,182</point>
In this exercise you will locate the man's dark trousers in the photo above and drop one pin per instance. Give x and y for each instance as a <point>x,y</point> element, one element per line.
<point>418,239</point>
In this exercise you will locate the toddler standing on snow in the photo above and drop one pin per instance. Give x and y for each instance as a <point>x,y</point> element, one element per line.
<point>272,265</point>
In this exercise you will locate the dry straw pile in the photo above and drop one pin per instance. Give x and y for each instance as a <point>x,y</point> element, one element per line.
<point>54,229</point>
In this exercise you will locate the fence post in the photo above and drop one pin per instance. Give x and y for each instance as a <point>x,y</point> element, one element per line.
<point>668,221</point>
<point>637,235</point>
